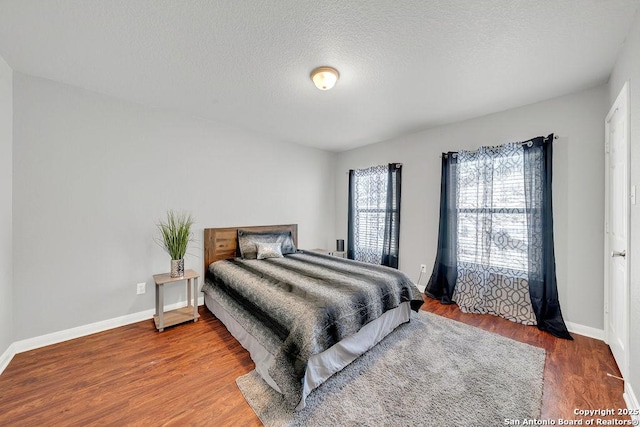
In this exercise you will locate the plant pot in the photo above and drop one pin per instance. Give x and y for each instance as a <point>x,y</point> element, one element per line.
<point>177,267</point>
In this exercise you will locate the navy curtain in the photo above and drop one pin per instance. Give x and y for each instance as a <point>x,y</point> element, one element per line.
<point>541,275</point>
<point>351,245</point>
<point>391,236</point>
<point>445,270</point>
<point>543,288</point>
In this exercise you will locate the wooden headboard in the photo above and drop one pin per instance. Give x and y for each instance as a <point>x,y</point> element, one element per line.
<point>222,243</point>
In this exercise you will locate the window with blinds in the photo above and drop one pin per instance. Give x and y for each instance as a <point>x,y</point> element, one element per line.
<point>370,211</point>
<point>492,223</point>
<point>374,214</point>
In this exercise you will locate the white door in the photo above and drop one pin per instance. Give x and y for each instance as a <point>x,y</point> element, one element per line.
<point>616,230</point>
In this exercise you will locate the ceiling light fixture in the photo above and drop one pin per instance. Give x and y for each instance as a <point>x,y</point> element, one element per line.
<point>325,77</point>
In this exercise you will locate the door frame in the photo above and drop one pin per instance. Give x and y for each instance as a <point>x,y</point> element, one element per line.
<point>621,105</point>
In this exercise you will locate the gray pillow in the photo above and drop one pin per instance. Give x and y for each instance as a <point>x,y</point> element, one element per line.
<point>269,250</point>
<point>247,241</point>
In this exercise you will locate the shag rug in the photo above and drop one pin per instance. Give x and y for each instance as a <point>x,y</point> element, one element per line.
<point>431,371</point>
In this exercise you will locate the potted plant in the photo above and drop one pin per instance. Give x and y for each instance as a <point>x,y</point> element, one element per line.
<point>175,235</point>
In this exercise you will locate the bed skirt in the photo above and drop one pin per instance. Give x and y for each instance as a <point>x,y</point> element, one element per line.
<point>320,366</point>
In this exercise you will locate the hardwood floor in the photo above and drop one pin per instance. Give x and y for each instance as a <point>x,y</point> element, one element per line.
<point>575,372</point>
<point>134,375</point>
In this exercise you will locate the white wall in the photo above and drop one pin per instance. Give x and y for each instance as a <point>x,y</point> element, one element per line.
<point>627,68</point>
<point>6,261</point>
<point>578,186</point>
<point>92,176</point>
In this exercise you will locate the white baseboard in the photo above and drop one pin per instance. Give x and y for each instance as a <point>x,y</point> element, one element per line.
<point>6,357</point>
<point>80,331</point>
<point>631,401</point>
<point>587,331</point>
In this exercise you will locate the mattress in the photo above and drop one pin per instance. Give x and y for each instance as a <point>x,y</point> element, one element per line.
<point>306,316</point>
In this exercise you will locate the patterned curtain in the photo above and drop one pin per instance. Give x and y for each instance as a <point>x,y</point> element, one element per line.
<point>492,248</point>
<point>374,214</point>
<point>496,228</point>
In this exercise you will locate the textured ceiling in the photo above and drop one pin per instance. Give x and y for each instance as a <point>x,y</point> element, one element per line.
<point>404,65</point>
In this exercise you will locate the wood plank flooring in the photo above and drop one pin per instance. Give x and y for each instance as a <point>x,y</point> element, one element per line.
<point>134,375</point>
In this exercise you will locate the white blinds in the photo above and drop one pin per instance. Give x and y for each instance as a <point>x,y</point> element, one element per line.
<point>492,229</point>
<point>370,208</point>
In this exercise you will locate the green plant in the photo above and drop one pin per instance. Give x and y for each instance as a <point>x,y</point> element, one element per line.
<point>175,233</point>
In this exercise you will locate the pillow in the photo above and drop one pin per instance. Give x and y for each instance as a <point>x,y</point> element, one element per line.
<point>269,250</point>
<point>247,242</point>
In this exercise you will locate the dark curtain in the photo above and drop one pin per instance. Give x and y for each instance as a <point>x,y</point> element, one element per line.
<point>391,242</point>
<point>351,217</point>
<point>543,288</point>
<point>445,270</point>
<point>376,208</point>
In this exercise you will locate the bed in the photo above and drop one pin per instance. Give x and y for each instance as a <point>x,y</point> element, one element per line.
<point>303,316</point>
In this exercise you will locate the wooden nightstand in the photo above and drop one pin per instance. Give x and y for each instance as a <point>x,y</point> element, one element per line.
<point>181,315</point>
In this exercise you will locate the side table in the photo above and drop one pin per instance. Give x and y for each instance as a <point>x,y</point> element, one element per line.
<point>164,319</point>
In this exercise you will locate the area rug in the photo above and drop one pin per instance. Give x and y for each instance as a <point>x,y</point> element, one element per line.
<point>431,371</point>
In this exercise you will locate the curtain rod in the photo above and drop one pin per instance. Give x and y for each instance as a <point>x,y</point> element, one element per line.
<point>546,139</point>
<point>392,163</point>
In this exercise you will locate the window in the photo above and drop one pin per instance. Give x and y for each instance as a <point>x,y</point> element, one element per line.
<point>374,214</point>
<point>492,223</point>
<point>495,238</point>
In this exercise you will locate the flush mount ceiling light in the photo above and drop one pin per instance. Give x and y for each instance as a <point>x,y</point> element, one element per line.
<point>325,77</point>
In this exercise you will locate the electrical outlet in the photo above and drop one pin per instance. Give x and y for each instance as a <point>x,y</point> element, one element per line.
<point>423,268</point>
<point>141,288</point>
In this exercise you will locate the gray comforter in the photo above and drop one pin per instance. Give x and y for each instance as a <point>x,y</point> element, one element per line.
<point>307,302</point>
